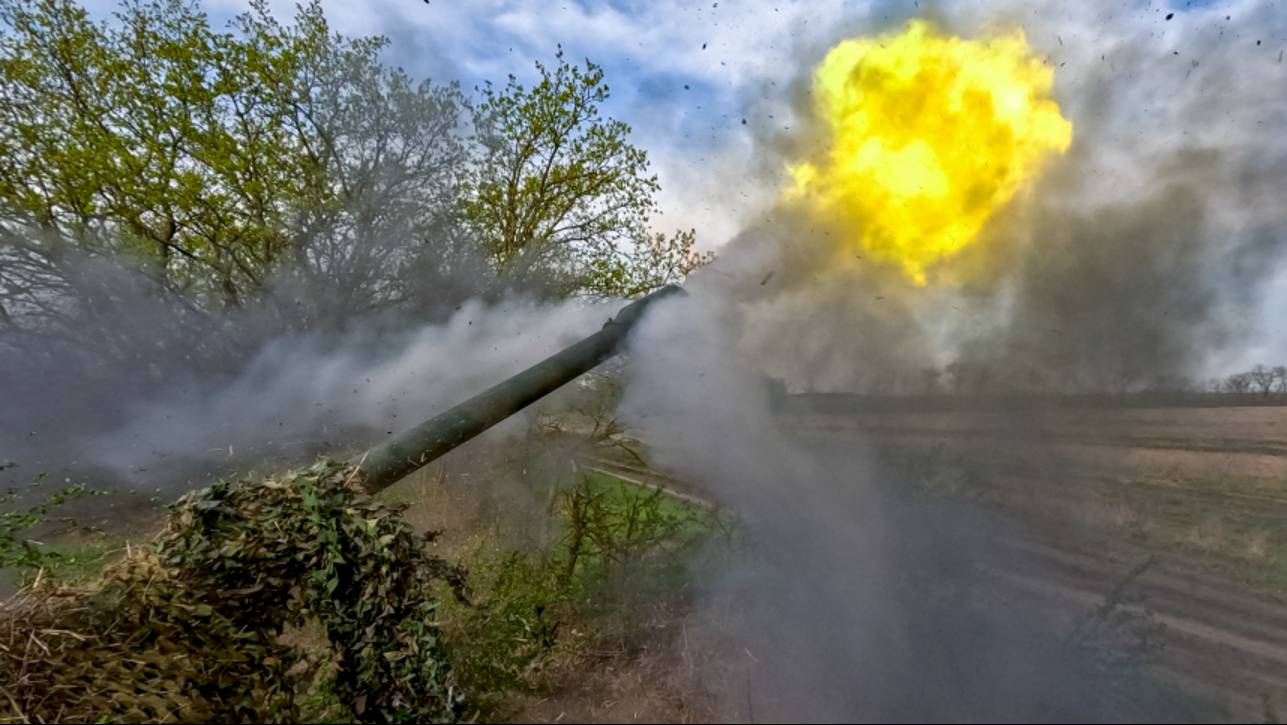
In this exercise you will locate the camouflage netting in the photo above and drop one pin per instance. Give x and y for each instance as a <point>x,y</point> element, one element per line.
<point>189,628</point>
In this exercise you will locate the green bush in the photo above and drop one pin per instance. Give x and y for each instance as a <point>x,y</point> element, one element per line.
<point>614,530</point>
<point>618,540</point>
<point>190,628</point>
<point>499,643</point>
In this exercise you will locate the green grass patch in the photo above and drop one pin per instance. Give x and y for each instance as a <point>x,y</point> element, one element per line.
<point>320,700</point>
<point>73,561</point>
<point>673,520</point>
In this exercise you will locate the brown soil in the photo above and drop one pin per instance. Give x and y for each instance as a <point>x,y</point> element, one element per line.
<point>1203,490</point>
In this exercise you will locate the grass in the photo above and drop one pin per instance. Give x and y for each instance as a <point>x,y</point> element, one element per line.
<point>320,703</point>
<point>1249,545</point>
<point>71,561</point>
<point>539,615</point>
<point>679,522</point>
<point>538,609</point>
<point>65,559</point>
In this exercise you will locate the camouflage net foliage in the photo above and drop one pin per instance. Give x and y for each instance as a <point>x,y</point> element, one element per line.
<point>189,628</point>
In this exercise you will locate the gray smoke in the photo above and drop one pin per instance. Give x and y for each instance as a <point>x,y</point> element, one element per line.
<point>848,600</point>
<point>1141,256</point>
<point>1148,248</point>
<point>132,390</point>
<point>304,393</point>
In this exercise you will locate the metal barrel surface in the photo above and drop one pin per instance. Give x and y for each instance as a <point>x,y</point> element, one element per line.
<point>388,462</point>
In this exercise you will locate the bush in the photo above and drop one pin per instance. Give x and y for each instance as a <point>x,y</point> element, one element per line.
<point>501,642</point>
<point>190,627</point>
<point>614,530</point>
<point>618,540</point>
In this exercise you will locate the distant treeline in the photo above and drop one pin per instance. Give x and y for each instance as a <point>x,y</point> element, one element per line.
<point>961,386</point>
<point>836,403</point>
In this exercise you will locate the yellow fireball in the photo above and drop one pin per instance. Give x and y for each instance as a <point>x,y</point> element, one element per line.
<point>929,135</point>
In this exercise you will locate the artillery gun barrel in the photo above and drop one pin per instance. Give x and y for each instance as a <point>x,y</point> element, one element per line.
<point>387,463</point>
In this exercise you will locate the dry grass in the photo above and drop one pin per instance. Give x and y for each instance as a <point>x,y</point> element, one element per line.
<point>190,628</point>
<point>1259,545</point>
<point>1209,535</point>
<point>1111,512</point>
<point>655,675</point>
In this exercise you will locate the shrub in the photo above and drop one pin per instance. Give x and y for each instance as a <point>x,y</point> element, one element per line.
<point>501,642</point>
<point>190,627</point>
<point>618,540</point>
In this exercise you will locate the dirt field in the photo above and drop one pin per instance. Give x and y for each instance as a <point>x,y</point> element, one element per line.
<point>1095,493</point>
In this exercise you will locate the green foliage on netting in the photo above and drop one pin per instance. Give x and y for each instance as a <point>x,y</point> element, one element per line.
<point>189,628</point>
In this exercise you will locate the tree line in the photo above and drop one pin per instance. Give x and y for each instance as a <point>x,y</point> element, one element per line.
<point>157,172</point>
<point>1260,379</point>
<point>960,378</point>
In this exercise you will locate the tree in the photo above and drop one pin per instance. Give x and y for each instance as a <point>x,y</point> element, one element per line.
<point>148,135</point>
<point>223,166</point>
<point>560,199</point>
<point>162,182</point>
<point>215,159</point>
<point>382,228</point>
<point>284,166</point>
<point>1280,372</point>
<point>172,196</point>
<point>1238,383</point>
<point>649,263</point>
<point>1262,378</point>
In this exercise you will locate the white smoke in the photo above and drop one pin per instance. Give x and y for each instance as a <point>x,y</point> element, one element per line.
<point>301,392</point>
<point>1150,244</point>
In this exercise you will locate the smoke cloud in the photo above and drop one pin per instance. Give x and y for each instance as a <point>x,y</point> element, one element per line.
<point>305,393</point>
<point>1145,254</point>
<point>143,395</point>
<point>1139,257</point>
<point>849,600</point>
